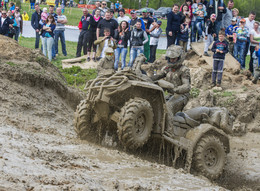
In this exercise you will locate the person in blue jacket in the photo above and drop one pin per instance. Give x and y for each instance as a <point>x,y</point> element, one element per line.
<point>257,67</point>
<point>48,36</point>
<point>5,23</point>
<point>173,25</point>
<point>36,17</point>
<point>220,49</point>
<point>229,34</point>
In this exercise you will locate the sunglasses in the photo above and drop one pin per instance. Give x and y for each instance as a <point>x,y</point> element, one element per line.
<point>3,13</point>
<point>104,4</point>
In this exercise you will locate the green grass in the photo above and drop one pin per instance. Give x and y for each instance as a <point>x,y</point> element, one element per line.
<point>11,63</point>
<point>75,76</point>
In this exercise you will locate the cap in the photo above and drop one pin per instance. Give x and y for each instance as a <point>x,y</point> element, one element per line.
<point>243,20</point>
<point>159,22</point>
<point>132,12</point>
<point>213,16</point>
<point>234,19</point>
<point>144,11</point>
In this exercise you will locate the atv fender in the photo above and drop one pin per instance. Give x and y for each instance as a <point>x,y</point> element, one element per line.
<point>196,133</point>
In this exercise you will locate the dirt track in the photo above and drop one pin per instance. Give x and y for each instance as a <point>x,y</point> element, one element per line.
<point>39,149</point>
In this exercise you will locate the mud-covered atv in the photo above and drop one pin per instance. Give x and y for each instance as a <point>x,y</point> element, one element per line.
<point>134,108</point>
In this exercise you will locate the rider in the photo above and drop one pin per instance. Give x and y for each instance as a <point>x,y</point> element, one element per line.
<point>106,65</point>
<point>179,77</point>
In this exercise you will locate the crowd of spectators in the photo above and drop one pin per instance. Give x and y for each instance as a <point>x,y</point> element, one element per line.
<point>198,21</point>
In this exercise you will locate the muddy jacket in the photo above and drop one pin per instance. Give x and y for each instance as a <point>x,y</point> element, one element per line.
<point>179,77</point>
<point>137,36</point>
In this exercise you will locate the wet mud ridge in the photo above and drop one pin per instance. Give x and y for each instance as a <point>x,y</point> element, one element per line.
<point>39,149</point>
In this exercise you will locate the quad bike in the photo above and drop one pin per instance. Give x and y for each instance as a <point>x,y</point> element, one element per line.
<point>133,107</point>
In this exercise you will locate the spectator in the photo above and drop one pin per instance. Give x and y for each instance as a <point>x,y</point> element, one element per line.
<point>112,15</point>
<point>205,2</point>
<point>10,14</point>
<point>210,33</point>
<point>98,5</point>
<point>120,6</point>
<point>51,12</point>
<point>255,40</point>
<point>84,25</point>
<point>12,6</point>
<point>57,2</point>
<point>107,22</point>
<point>122,36</point>
<point>71,3</point>
<point>185,11</point>
<point>104,42</point>
<point>152,16</point>
<point>173,25</point>
<point>59,32</point>
<point>63,5</point>
<point>240,43</point>
<point>184,34</point>
<point>147,22</point>
<point>44,16</point>
<point>6,2</point>
<point>36,17</point>
<point>18,23</point>
<point>230,30</point>
<point>5,23</point>
<point>227,17</point>
<point>200,15</point>
<point>235,13</point>
<point>25,16</point>
<point>250,20</point>
<point>218,8</point>
<point>219,48</point>
<point>122,16</point>
<point>257,66</point>
<point>103,9</point>
<point>155,34</point>
<point>137,42</point>
<point>189,4</point>
<point>193,21</point>
<point>93,35</point>
<point>32,2</point>
<point>134,19</point>
<point>117,6</point>
<point>48,36</point>
<point>112,6</point>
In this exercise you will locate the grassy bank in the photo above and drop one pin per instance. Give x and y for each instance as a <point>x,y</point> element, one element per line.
<point>75,76</point>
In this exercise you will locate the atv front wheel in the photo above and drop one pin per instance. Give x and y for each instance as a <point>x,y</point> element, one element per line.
<point>135,123</point>
<point>209,157</point>
<point>84,125</point>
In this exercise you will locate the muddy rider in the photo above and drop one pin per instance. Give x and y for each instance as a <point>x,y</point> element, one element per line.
<point>106,65</point>
<point>177,79</point>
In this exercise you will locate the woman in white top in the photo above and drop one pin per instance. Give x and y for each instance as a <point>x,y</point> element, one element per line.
<point>255,40</point>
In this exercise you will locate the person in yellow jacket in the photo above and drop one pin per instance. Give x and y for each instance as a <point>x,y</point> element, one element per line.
<point>25,16</point>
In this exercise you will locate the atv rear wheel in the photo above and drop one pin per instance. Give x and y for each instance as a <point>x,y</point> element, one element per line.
<point>135,123</point>
<point>209,157</point>
<point>84,125</point>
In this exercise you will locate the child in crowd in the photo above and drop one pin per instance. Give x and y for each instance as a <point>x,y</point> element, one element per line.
<point>44,16</point>
<point>104,42</point>
<point>257,65</point>
<point>210,33</point>
<point>240,39</point>
<point>200,14</point>
<point>25,16</point>
<point>155,34</point>
<point>229,34</point>
<point>220,48</point>
<point>184,34</point>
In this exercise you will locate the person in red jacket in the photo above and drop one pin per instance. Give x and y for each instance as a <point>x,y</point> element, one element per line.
<point>83,26</point>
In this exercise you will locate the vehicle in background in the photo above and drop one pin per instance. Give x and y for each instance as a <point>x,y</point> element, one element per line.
<point>162,12</point>
<point>139,12</point>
